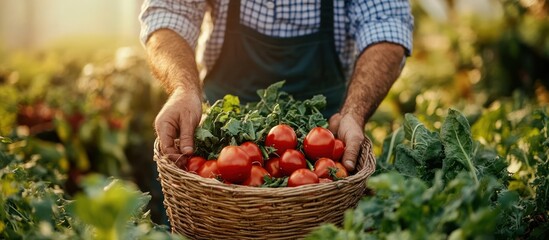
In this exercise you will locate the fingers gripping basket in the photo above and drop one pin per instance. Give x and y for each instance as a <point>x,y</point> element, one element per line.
<point>201,208</point>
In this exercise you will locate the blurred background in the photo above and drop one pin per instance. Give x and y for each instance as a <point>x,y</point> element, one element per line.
<point>75,85</point>
<point>38,24</point>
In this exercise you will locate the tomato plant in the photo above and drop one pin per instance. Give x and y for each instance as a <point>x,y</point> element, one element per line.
<point>234,164</point>
<point>318,143</point>
<point>281,137</point>
<point>209,169</point>
<point>194,163</point>
<point>257,176</point>
<point>339,149</point>
<point>323,166</point>
<point>291,161</point>
<point>302,177</point>
<point>273,167</point>
<point>253,152</point>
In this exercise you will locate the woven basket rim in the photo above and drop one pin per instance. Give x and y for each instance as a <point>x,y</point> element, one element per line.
<point>366,171</point>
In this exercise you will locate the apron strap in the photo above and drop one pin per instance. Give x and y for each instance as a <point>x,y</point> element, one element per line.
<point>326,16</point>
<point>233,15</point>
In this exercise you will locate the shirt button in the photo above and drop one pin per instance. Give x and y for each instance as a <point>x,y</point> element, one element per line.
<point>270,4</point>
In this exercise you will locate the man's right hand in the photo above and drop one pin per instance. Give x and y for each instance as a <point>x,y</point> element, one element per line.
<point>176,122</point>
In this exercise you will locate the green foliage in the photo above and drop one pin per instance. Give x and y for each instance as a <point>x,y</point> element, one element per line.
<point>227,122</point>
<point>113,100</point>
<point>33,204</point>
<point>273,182</point>
<point>421,152</point>
<point>529,159</point>
<point>446,185</point>
<point>8,106</point>
<point>468,59</point>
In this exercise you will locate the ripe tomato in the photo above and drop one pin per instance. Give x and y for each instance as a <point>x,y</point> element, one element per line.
<point>302,177</point>
<point>273,167</point>
<point>281,137</point>
<point>234,164</point>
<point>194,163</point>
<point>322,167</point>
<point>292,160</point>
<point>339,148</point>
<point>253,152</point>
<point>325,180</point>
<point>341,171</point>
<point>318,143</point>
<point>209,169</point>
<point>257,176</point>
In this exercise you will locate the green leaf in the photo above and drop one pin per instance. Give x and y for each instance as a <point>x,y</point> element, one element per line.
<point>206,137</point>
<point>405,162</point>
<point>5,140</point>
<point>390,143</point>
<point>272,182</point>
<point>232,127</point>
<point>270,94</point>
<point>420,156</point>
<point>231,103</point>
<point>425,144</point>
<point>108,204</point>
<point>64,130</point>
<point>458,145</point>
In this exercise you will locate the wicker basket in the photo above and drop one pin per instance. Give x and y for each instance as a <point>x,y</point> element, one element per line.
<point>201,208</point>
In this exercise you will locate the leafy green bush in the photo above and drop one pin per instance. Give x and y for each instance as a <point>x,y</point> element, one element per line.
<point>33,204</point>
<point>445,185</point>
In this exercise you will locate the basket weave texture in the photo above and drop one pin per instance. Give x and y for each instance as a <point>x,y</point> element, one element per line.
<point>203,208</point>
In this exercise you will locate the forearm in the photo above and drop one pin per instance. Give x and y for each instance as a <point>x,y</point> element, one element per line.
<point>376,70</point>
<point>172,62</point>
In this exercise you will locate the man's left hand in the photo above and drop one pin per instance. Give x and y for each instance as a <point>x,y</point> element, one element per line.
<point>350,130</point>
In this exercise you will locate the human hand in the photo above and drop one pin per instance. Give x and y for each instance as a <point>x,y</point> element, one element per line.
<point>175,125</point>
<point>350,130</point>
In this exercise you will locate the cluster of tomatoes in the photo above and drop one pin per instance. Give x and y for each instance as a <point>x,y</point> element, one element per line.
<point>245,165</point>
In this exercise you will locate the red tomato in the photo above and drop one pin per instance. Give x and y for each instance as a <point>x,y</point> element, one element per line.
<point>194,163</point>
<point>339,148</point>
<point>281,137</point>
<point>341,171</point>
<point>253,152</point>
<point>325,180</point>
<point>115,123</point>
<point>257,176</point>
<point>292,160</point>
<point>318,143</point>
<point>302,177</point>
<point>322,167</point>
<point>234,164</point>
<point>273,167</point>
<point>209,169</point>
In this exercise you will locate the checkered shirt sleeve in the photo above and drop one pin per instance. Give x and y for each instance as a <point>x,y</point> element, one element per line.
<point>357,23</point>
<point>381,21</point>
<point>182,16</point>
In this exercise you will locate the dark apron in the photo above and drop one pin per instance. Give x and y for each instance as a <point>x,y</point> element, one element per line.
<point>250,60</point>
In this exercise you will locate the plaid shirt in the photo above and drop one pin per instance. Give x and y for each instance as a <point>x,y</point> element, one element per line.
<point>357,24</point>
